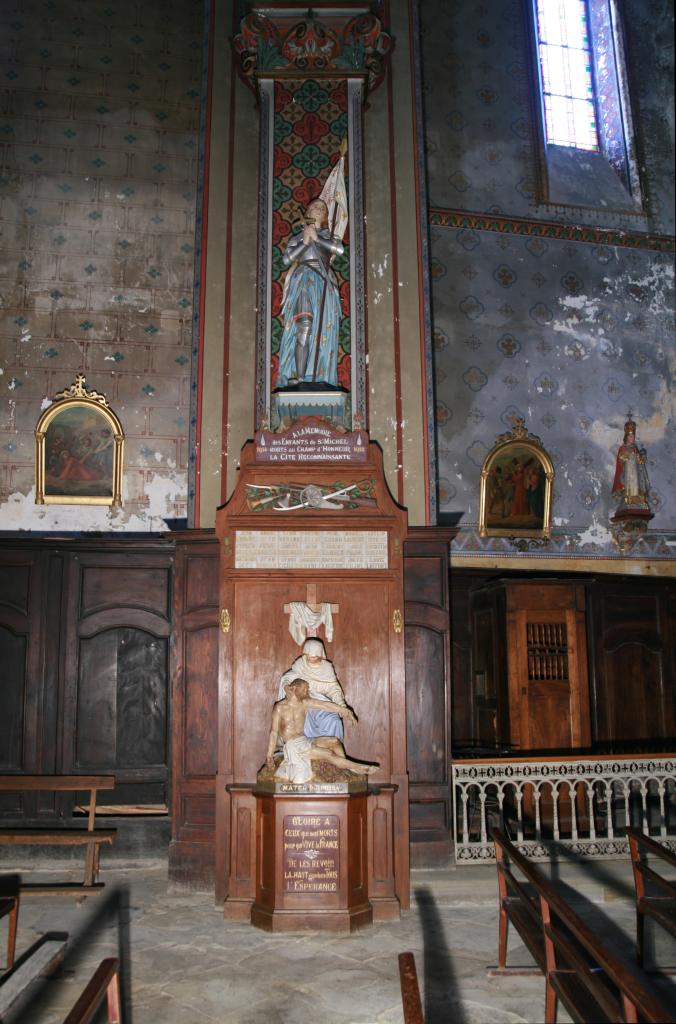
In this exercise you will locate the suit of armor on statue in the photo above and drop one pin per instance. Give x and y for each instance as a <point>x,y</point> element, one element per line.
<point>310,296</point>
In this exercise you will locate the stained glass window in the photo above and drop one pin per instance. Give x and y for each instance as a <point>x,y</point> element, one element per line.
<point>566,66</point>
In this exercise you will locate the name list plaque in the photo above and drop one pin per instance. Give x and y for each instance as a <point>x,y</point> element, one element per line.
<point>310,549</point>
<point>311,852</point>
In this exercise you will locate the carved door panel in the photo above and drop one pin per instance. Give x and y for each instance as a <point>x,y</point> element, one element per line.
<point>194,712</point>
<point>27,704</point>
<point>115,686</point>
<point>547,686</point>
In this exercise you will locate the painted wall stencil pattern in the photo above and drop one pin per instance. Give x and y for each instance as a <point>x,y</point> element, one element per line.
<point>569,355</point>
<point>99,111</point>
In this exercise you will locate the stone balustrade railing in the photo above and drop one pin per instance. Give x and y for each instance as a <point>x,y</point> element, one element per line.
<point>580,804</point>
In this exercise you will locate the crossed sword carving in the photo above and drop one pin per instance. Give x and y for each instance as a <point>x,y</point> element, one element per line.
<point>303,504</point>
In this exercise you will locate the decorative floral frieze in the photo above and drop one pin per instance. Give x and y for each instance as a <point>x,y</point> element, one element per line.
<point>311,46</point>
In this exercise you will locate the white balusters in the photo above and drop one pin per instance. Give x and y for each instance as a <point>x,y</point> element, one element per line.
<point>583,804</point>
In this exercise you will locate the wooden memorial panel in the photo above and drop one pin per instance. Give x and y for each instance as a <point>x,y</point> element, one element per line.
<point>319,534</point>
<point>312,871</point>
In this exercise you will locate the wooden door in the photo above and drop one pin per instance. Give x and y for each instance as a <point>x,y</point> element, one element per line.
<point>548,689</point>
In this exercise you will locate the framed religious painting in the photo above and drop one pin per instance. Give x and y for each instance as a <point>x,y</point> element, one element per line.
<point>79,444</point>
<point>517,481</point>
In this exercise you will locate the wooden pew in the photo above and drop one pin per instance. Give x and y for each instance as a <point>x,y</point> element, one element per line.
<point>41,960</point>
<point>410,992</point>
<point>9,907</point>
<point>90,837</point>
<point>104,983</point>
<point>661,908</point>
<point>592,980</point>
<point>520,906</point>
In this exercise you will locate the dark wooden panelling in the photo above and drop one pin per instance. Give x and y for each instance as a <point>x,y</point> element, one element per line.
<point>194,675</point>
<point>146,587</point>
<point>427,649</point>
<point>84,636</point>
<point>201,580</point>
<point>96,697</point>
<point>25,738</point>
<point>201,697</point>
<point>142,698</point>
<point>13,660</point>
<point>115,688</point>
<point>633,673</point>
<point>15,587</point>
<point>425,704</point>
<point>462,702</point>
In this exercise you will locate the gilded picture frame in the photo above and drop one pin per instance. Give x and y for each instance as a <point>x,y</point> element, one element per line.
<point>517,482</point>
<point>79,449</point>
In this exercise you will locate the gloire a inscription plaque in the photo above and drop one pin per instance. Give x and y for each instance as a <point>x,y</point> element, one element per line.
<point>311,867</point>
<point>311,856</point>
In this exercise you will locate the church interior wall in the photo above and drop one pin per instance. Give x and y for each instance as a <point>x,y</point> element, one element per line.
<point>100,118</point>
<point>568,334</point>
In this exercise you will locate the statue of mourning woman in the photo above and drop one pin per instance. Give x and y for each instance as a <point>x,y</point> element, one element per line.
<point>318,672</point>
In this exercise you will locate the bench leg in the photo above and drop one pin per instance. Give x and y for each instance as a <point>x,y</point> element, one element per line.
<point>97,854</point>
<point>11,938</point>
<point>502,938</point>
<point>550,1002</point>
<point>89,872</point>
<point>640,936</point>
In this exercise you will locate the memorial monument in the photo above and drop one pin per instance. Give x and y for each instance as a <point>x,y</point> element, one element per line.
<point>311,540</point>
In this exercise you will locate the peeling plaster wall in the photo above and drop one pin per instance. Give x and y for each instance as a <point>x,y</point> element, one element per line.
<point>569,335</point>
<point>98,166</point>
<point>481,154</point>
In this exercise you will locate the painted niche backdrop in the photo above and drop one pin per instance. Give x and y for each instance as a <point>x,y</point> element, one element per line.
<point>310,124</point>
<point>516,487</point>
<point>78,446</point>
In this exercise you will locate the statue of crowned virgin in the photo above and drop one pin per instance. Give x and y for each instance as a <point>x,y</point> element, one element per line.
<point>311,310</point>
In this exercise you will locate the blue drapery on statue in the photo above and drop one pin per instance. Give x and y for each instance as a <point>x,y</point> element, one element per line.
<point>323,723</point>
<point>303,299</point>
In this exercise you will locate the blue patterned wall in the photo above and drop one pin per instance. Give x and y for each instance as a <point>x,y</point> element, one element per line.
<point>480,150</point>
<point>567,334</point>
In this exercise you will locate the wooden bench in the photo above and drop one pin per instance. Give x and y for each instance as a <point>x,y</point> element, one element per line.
<point>661,908</point>
<point>9,907</point>
<point>104,983</point>
<point>66,836</point>
<point>19,985</point>
<point>410,992</point>
<point>592,980</point>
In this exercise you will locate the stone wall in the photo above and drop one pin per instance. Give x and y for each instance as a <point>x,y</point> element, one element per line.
<point>98,174</point>
<point>534,315</point>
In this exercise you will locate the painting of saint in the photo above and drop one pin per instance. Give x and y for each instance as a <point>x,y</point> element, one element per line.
<point>79,452</point>
<point>516,483</point>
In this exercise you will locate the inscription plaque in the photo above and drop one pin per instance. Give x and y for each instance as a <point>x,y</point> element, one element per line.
<point>310,549</point>
<point>311,442</point>
<point>311,852</point>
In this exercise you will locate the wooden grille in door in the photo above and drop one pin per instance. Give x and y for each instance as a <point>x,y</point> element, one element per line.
<point>547,648</point>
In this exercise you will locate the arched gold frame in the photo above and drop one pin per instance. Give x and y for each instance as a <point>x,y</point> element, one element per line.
<point>78,396</point>
<point>518,438</point>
